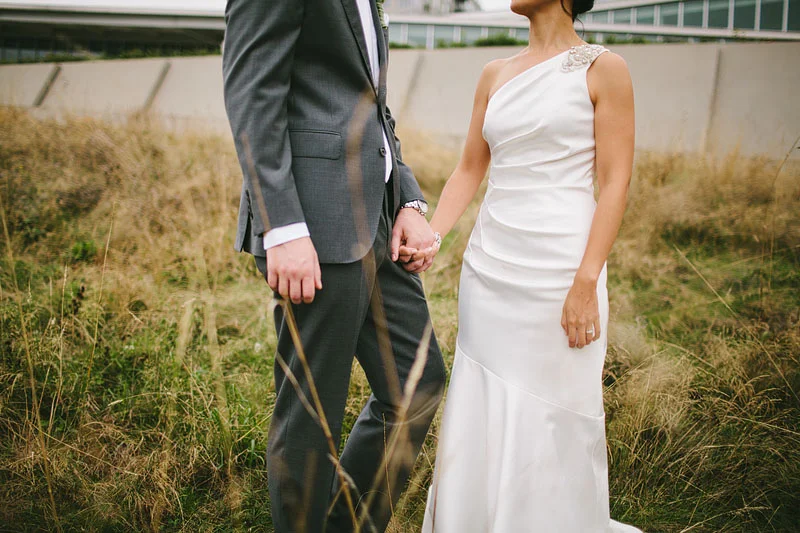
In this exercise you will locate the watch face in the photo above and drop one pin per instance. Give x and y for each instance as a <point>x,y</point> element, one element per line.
<point>423,207</point>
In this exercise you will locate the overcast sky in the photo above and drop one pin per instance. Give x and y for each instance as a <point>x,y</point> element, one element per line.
<point>189,4</point>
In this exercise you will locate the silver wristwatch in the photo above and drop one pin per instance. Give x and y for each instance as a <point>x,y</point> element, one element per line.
<point>420,206</point>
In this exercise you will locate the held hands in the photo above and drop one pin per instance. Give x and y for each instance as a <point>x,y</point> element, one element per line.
<point>580,317</point>
<point>293,270</point>
<point>414,243</point>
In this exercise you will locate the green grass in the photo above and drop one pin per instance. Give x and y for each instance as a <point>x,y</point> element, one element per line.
<point>136,347</point>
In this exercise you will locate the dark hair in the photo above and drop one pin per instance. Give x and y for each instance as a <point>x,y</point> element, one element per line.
<point>579,7</point>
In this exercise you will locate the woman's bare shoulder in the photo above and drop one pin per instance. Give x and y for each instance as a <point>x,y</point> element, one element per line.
<point>609,64</point>
<point>609,75</point>
<point>494,66</point>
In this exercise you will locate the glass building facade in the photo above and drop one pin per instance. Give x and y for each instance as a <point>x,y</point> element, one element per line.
<point>100,34</point>
<point>757,15</point>
<point>685,20</point>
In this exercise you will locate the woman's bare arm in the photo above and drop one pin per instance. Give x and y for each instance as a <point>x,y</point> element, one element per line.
<point>612,93</point>
<point>611,90</point>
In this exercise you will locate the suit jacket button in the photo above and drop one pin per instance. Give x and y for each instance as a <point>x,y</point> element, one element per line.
<point>382,151</point>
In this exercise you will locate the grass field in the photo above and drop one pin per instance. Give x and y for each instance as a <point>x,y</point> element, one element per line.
<point>136,347</point>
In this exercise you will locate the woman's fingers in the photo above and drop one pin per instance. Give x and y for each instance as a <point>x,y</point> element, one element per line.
<point>417,261</point>
<point>572,332</point>
<point>426,264</point>
<point>589,332</point>
<point>406,254</point>
<point>413,266</point>
<point>581,333</point>
<point>415,255</point>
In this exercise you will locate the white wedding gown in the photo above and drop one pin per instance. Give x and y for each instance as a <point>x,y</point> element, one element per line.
<point>522,442</point>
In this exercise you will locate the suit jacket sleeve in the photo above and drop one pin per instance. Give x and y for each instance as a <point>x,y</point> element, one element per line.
<point>409,188</point>
<point>260,38</point>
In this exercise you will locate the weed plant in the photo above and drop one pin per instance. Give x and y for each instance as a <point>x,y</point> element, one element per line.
<point>136,347</point>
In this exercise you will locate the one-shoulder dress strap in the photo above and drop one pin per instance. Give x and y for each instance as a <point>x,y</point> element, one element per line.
<point>581,56</point>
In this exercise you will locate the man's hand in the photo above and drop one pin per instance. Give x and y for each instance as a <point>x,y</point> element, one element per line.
<point>412,232</point>
<point>293,270</point>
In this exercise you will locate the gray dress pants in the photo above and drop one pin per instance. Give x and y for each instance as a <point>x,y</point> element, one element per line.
<point>376,311</point>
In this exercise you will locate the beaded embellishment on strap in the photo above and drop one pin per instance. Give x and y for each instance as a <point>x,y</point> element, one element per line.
<point>582,55</point>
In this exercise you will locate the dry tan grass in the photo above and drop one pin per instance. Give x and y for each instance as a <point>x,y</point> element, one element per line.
<point>152,362</point>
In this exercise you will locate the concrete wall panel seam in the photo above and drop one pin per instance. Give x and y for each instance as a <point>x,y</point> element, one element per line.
<point>157,85</point>
<point>412,84</point>
<point>712,103</point>
<point>51,78</point>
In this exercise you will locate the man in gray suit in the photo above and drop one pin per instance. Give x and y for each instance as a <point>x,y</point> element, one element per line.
<point>327,206</point>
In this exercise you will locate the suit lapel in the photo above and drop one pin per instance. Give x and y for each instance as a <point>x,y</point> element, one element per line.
<point>351,11</point>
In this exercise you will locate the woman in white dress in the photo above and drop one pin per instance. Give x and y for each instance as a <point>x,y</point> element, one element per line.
<point>522,443</point>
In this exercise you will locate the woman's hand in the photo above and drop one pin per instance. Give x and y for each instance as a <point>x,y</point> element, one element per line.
<point>580,317</point>
<point>425,256</point>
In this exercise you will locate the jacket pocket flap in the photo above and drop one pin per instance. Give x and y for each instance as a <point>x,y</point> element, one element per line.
<point>313,143</point>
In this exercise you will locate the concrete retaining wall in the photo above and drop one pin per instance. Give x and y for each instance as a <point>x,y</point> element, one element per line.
<point>191,95</point>
<point>104,88</point>
<point>757,105</point>
<point>689,97</point>
<point>25,85</point>
<point>674,94</point>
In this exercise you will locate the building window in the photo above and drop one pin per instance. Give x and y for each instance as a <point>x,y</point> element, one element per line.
<point>494,32</point>
<point>794,15</point>
<point>717,13</point>
<point>668,14</point>
<point>622,16</point>
<point>772,15</point>
<point>10,51</point>
<point>646,15</point>
<point>693,13</point>
<point>470,34</point>
<point>600,17</point>
<point>417,35</point>
<point>744,14</point>
<point>443,35</point>
<point>395,33</point>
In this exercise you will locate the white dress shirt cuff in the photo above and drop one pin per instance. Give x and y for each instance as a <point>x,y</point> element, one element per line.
<point>276,237</point>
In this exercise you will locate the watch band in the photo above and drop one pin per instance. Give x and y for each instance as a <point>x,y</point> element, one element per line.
<point>419,206</point>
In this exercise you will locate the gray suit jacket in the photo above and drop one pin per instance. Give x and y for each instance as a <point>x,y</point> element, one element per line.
<point>307,121</point>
